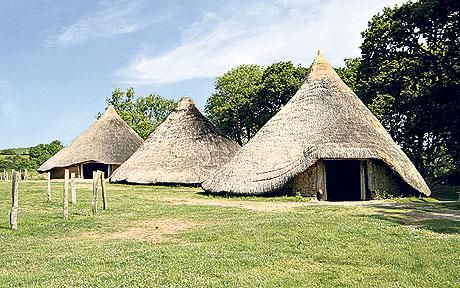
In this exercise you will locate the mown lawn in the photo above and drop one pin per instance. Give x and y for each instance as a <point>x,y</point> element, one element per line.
<point>176,237</point>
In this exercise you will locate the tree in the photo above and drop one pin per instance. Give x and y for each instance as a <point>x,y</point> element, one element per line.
<point>143,114</point>
<point>7,152</point>
<point>246,97</point>
<point>231,107</point>
<point>409,77</point>
<point>42,152</point>
<point>280,82</point>
<point>349,73</point>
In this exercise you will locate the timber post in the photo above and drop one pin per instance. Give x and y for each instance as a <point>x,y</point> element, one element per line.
<point>73,189</point>
<point>49,186</point>
<point>104,195</point>
<point>66,194</point>
<point>96,177</point>
<point>14,205</point>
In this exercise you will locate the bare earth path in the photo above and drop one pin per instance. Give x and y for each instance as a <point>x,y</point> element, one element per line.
<point>382,206</point>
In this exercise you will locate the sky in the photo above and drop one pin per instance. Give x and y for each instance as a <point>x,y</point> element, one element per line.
<point>60,60</point>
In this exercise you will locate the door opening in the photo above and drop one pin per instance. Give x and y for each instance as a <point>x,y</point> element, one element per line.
<point>343,180</point>
<point>88,169</point>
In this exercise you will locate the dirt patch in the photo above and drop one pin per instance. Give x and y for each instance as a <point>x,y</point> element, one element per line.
<point>156,230</point>
<point>251,205</point>
<point>270,206</point>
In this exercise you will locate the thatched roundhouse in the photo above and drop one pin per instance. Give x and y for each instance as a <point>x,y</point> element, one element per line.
<point>104,146</point>
<point>323,143</point>
<point>184,149</point>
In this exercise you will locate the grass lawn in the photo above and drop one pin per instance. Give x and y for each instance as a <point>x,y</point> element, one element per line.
<point>176,237</point>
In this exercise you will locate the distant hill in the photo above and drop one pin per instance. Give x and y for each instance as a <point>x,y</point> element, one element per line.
<point>13,151</point>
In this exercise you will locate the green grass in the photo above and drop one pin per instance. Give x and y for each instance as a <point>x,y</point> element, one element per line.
<point>402,245</point>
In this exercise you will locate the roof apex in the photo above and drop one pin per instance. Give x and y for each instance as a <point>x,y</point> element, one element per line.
<point>321,67</point>
<point>185,103</point>
<point>110,110</point>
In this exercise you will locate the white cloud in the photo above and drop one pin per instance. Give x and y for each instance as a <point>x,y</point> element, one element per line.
<point>261,33</point>
<point>121,17</point>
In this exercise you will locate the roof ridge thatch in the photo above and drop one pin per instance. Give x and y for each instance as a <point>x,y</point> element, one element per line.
<point>324,119</point>
<point>109,140</point>
<point>184,149</point>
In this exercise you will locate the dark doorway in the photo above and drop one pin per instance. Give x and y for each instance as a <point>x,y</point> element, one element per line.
<point>88,169</point>
<point>343,181</point>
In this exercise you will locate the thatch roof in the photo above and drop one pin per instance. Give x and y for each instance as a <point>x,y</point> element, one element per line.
<point>184,149</point>
<point>323,120</point>
<point>109,140</point>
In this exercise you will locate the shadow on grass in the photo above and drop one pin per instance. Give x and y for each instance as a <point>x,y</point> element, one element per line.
<point>445,193</point>
<point>443,218</point>
<point>273,197</point>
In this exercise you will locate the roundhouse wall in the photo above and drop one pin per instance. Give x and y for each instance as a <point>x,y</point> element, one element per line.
<point>380,181</point>
<point>58,173</point>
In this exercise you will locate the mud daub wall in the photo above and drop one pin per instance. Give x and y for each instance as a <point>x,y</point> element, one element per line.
<point>306,183</point>
<point>382,180</point>
<point>58,173</point>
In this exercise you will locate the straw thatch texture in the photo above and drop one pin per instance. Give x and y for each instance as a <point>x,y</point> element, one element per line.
<point>184,149</point>
<point>324,120</point>
<point>109,141</point>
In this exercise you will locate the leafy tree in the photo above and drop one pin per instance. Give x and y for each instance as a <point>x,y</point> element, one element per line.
<point>349,73</point>
<point>42,152</point>
<point>409,76</point>
<point>37,156</point>
<point>280,82</point>
<point>231,107</point>
<point>246,97</point>
<point>143,114</point>
<point>8,152</point>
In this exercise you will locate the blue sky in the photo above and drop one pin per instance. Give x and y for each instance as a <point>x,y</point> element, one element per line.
<point>59,60</point>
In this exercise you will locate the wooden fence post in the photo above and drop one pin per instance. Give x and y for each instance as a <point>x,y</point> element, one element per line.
<point>104,196</point>
<point>49,186</point>
<point>73,189</point>
<point>96,177</point>
<point>14,206</point>
<point>5,176</point>
<point>26,175</point>
<point>66,194</point>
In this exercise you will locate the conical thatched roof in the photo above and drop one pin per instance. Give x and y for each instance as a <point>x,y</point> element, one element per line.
<point>184,149</point>
<point>324,120</point>
<point>110,141</point>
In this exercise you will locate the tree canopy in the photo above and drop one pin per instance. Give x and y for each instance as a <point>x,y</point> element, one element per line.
<point>43,152</point>
<point>143,114</point>
<point>246,97</point>
<point>409,77</point>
